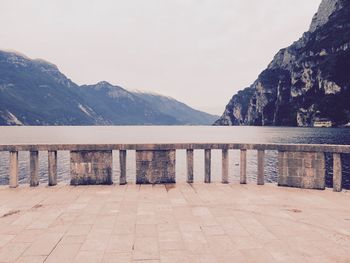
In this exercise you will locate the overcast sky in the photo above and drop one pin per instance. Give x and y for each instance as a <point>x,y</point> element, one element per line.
<point>200,52</point>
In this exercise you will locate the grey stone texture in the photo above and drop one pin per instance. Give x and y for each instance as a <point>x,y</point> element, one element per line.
<point>13,173</point>
<point>155,167</point>
<point>207,166</point>
<point>243,166</point>
<point>52,167</point>
<point>34,168</point>
<point>91,167</point>
<point>189,160</point>
<point>337,173</point>
<point>225,165</point>
<point>301,169</point>
<point>261,172</point>
<point>122,163</point>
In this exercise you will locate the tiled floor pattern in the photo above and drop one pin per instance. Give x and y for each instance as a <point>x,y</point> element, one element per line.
<point>174,223</point>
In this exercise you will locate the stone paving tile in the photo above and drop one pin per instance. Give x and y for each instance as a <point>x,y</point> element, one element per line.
<point>120,244</point>
<point>146,248</point>
<point>31,259</point>
<point>64,252</point>
<point>112,257</point>
<point>178,223</point>
<point>44,245</point>
<point>12,251</point>
<point>89,257</point>
<point>4,239</point>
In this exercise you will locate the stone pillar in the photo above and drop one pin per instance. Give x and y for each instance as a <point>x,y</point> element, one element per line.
<point>52,167</point>
<point>189,160</point>
<point>243,166</point>
<point>155,166</point>
<point>13,169</point>
<point>261,160</point>
<point>91,167</point>
<point>302,169</point>
<point>34,168</point>
<point>122,162</point>
<point>337,172</point>
<point>225,164</point>
<point>207,166</point>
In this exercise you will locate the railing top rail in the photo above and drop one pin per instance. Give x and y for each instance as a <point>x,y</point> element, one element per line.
<point>165,146</point>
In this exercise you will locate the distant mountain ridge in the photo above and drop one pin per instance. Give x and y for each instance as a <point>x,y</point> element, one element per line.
<point>306,81</point>
<point>35,92</point>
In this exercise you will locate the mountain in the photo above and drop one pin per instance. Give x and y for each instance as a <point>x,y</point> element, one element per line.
<point>177,109</point>
<point>119,106</point>
<point>306,81</point>
<point>35,92</point>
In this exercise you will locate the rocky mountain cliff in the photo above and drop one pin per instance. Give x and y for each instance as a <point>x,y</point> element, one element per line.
<point>35,92</point>
<point>304,82</point>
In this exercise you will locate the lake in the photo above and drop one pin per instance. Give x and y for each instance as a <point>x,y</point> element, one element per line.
<point>169,134</point>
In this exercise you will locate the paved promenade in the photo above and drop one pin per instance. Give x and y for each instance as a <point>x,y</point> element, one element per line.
<point>178,223</point>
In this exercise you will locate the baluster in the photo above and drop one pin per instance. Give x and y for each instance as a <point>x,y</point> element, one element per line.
<point>261,160</point>
<point>243,167</point>
<point>52,167</point>
<point>13,169</point>
<point>34,168</point>
<point>207,165</point>
<point>225,164</point>
<point>337,172</point>
<point>122,162</point>
<point>189,159</point>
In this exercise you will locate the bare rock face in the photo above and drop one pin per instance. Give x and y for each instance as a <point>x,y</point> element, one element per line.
<point>326,9</point>
<point>309,79</point>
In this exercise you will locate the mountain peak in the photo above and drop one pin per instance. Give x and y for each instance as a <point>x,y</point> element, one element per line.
<point>104,83</point>
<point>325,10</point>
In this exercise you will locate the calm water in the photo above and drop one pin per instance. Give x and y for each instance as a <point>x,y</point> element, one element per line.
<point>169,134</point>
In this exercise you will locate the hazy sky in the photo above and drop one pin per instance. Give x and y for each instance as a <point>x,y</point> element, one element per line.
<point>198,51</point>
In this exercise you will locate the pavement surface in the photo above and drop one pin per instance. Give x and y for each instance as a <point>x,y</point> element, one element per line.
<point>173,223</point>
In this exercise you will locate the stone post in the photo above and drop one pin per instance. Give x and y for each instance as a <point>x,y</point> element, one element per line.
<point>337,172</point>
<point>302,170</point>
<point>261,160</point>
<point>225,162</point>
<point>207,166</point>
<point>155,166</point>
<point>243,167</point>
<point>13,169</point>
<point>189,159</point>
<point>52,167</point>
<point>34,168</point>
<point>122,162</point>
<point>91,167</point>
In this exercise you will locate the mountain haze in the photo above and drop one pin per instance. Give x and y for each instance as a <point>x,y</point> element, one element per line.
<point>177,109</point>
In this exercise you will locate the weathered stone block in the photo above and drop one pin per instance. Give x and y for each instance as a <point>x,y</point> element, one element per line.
<point>293,171</point>
<point>308,163</point>
<point>301,169</point>
<point>91,167</point>
<point>292,162</point>
<point>155,166</point>
<point>295,181</point>
<point>307,182</point>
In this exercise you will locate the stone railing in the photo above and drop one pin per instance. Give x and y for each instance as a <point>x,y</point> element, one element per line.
<point>299,165</point>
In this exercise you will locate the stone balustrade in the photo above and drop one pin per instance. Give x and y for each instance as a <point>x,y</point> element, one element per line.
<point>299,165</point>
